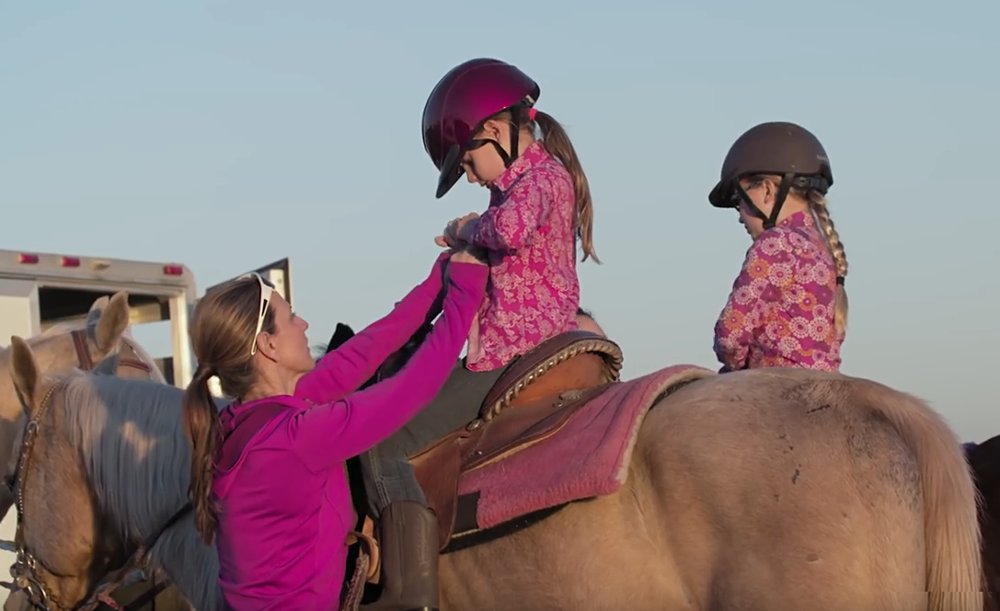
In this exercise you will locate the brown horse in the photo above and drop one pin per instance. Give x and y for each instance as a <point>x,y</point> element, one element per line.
<point>764,489</point>
<point>984,458</point>
<point>82,346</point>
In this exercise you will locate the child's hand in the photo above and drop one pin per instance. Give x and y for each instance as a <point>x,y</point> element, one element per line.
<point>467,228</point>
<point>457,232</point>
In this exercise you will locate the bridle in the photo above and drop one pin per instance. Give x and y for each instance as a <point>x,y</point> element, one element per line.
<point>85,360</point>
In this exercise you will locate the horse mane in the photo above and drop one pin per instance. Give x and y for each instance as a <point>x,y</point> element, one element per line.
<point>130,436</point>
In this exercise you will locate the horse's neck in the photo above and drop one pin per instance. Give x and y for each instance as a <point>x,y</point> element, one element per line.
<point>191,565</point>
<point>132,440</point>
<point>139,462</point>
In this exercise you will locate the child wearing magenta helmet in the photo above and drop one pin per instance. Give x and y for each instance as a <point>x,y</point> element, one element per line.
<point>480,120</point>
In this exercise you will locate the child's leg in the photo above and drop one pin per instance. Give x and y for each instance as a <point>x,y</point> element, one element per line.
<point>407,527</point>
<point>387,474</point>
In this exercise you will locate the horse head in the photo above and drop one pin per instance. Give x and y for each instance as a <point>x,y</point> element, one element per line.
<point>72,346</point>
<point>63,556</point>
<point>47,573</point>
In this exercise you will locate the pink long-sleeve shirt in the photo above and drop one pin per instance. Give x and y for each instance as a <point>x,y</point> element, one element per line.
<point>280,482</point>
<point>529,231</point>
<point>780,312</point>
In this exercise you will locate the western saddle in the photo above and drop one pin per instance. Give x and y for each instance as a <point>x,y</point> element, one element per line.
<point>531,400</point>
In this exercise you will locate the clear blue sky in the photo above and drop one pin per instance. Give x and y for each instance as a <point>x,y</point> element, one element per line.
<point>227,134</point>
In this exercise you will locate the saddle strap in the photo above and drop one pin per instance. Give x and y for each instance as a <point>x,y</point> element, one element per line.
<point>366,568</point>
<point>438,471</point>
<point>366,539</point>
<point>356,587</point>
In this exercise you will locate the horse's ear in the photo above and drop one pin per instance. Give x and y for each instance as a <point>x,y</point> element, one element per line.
<point>340,335</point>
<point>113,322</point>
<point>94,314</point>
<point>99,305</point>
<point>23,371</point>
<point>108,366</point>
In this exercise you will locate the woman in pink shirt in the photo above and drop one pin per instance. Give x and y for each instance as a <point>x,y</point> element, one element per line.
<point>788,306</point>
<point>480,120</point>
<point>268,479</point>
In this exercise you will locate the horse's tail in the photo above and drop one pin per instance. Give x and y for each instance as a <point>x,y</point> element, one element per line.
<point>951,527</point>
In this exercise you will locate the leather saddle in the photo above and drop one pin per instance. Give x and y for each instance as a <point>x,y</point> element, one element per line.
<point>531,400</point>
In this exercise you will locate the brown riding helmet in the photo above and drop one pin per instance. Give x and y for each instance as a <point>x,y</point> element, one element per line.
<point>772,148</point>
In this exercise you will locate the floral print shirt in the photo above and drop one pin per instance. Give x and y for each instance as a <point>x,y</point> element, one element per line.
<point>529,231</point>
<point>780,312</point>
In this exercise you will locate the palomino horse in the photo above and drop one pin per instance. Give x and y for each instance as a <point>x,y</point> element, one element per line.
<point>117,470</point>
<point>67,346</point>
<point>764,489</point>
<point>984,458</point>
<point>61,348</point>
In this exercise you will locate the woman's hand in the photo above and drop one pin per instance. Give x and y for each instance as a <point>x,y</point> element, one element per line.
<point>469,255</point>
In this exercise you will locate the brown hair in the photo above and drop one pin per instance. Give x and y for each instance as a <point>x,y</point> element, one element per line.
<point>222,327</point>
<point>556,141</point>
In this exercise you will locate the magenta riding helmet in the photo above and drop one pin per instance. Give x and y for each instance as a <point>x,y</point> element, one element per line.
<point>459,104</point>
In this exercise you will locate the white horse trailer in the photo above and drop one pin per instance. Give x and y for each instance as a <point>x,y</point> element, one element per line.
<point>38,290</point>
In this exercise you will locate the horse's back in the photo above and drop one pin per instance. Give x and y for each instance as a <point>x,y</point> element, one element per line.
<point>777,493</point>
<point>765,489</point>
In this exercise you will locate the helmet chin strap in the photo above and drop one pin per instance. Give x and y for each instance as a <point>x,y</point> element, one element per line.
<point>508,157</point>
<point>504,155</point>
<point>515,131</point>
<point>779,201</point>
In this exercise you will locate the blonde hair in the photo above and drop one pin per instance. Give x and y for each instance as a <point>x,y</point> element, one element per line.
<point>818,207</point>
<point>222,327</point>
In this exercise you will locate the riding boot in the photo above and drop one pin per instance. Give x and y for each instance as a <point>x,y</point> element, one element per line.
<point>409,546</point>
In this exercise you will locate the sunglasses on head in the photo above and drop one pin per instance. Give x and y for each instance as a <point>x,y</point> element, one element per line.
<point>266,289</point>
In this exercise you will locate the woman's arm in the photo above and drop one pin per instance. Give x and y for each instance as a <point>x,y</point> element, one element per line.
<point>335,431</point>
<point>348,367</point>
